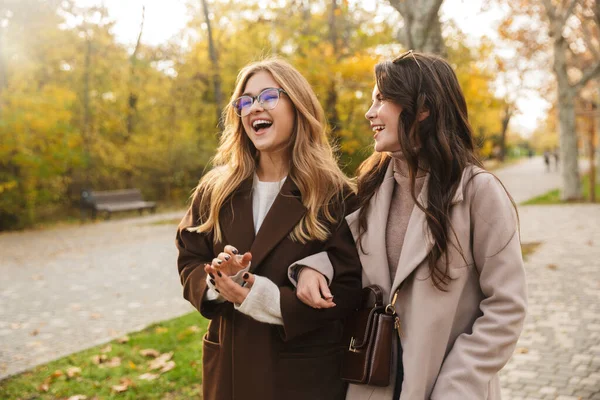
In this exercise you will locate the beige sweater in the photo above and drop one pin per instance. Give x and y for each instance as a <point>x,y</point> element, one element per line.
<point>401,208</point>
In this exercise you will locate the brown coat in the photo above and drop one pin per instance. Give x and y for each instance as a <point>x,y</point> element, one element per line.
<point>454,342</point>
<point>246,359</point>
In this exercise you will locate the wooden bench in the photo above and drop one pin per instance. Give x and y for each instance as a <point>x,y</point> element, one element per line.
<point>110,201</point>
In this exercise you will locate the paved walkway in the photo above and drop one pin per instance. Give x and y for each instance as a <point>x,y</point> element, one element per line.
<point>529,178</point>
<point>66,289</point>
<point>63,290</point>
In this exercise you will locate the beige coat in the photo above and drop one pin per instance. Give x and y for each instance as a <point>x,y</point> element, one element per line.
<point>454,342</point>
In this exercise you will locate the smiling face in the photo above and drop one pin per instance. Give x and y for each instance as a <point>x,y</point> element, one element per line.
<point>269,130</point>
<point>383,116</point>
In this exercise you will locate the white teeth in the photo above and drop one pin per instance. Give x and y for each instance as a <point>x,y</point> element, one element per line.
<point>377,128</point>
<point>261,121</point>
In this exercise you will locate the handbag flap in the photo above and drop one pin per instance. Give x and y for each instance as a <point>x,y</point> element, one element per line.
<point>361,322</point>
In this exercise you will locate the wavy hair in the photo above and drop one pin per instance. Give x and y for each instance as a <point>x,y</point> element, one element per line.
<point>313,166</point>
<point>442,142</point>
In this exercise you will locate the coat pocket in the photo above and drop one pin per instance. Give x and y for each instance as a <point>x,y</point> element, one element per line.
<point>211,367</point>
<point>321,368</point>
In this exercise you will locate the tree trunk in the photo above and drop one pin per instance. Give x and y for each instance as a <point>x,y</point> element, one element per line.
<point>332,95</point>
<point>133,98</point>
<point>569,153</point>
<point>566,114</point>
<point>86,132</point>
<point>422,29</point>
<point>215,65</point>
<point>3,80</point>
<point>508,112</point>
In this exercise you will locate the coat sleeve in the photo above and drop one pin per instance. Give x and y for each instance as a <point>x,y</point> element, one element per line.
<point>298,318</point>
<point>476,357</point>
<point>195,250</point>
<point>320,262</point>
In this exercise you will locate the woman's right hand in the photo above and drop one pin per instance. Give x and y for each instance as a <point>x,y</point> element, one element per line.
<point>230,262</point>
<point>313,290</point>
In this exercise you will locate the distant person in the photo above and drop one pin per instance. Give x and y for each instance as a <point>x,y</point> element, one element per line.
<point>555,154</point>
<point>530,153</point>
<point>547,160</point>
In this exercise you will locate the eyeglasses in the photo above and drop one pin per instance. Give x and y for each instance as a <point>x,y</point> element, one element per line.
<point>406,54</point>
<point>268,100</point>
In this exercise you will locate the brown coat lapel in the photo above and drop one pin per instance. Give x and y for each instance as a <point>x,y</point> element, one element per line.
<point>238,228</point>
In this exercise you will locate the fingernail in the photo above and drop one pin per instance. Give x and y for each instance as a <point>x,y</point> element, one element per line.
<point>212,281</point>
<point>217,290</point>
<point>234,251</point>
<point>219,262</point>
<point>211,275</point>
<point>246,276</point>
<point>227,258</point>
<point>220,274</point>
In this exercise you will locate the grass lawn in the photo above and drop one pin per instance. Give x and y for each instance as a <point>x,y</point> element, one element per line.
<point>164,361</point>
<point>553,196</point>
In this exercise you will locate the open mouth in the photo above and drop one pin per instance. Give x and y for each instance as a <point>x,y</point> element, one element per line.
<point>377,128</point>
<point>261,125</point>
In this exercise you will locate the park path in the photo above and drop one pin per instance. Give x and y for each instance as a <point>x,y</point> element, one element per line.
<point>528,178</point>
<point>69,288</point>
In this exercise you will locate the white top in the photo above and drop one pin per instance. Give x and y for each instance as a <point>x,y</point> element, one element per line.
<point>262,303</point>
<point>263,196</point>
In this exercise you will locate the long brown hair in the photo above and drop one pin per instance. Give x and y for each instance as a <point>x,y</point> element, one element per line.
<point>313,166</point>
<point>442,142</point>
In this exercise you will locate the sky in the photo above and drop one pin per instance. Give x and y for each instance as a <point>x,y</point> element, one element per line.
<point>164,19</point>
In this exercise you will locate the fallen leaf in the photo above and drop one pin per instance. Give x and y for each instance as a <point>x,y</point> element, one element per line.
<point>150,353</point>
<point>194,328</point>
<point>553,267</point>
<point>123,339</point>
<point>161,329</point>
<point>57,374</point>
<point>167,367</point>
<point>148,376</point>
<point>44,387</point>
<point>78,397</point>
<point>73,372</point>
<point>132,365</point>
<point>106,349</point>
<point>590,243</point>
<point>37,277</point>
<point>113,362</point>
<point>34,332</point>
<point>160,361</point>
<point>15,326</point>
<point>95,315</point>
<point>125,383</point>
<point>99,359</point>
<point>522,350</point>
<point>120,388</point>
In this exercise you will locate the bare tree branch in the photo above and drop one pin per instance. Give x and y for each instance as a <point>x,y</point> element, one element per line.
<point>588,74</point>
<point>569,11</point>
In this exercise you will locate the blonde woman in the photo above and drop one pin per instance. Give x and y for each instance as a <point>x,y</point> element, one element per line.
<point>275,195</point>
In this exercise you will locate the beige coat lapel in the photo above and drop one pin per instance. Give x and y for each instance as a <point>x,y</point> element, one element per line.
<point>373,256</point>
<point>418,240</point>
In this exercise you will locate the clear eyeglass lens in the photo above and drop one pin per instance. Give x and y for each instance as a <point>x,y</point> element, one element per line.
<point>268,99</point>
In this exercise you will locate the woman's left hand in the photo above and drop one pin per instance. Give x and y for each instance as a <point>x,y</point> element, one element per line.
<point>230,290</point>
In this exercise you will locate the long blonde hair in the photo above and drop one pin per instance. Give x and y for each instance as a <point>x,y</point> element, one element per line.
<point>313,166</point>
